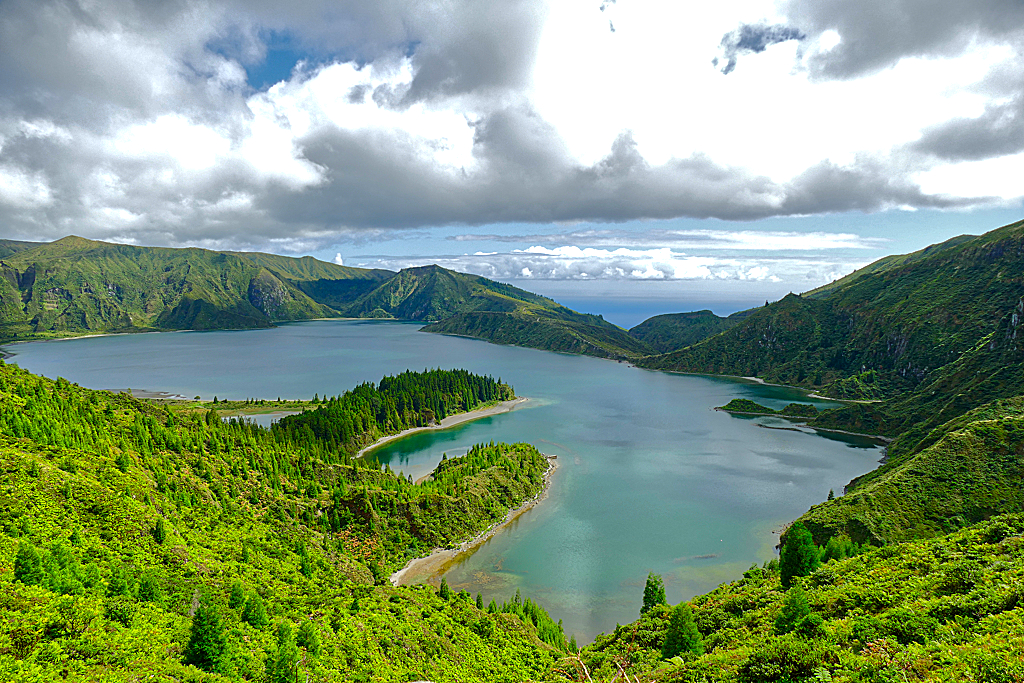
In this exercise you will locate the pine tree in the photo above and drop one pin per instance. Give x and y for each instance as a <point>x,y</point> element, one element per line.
<point>149,589</point>
<point>206,642</point>
<point>237,598</point>
<point>831,494</point>
<point>159,532</point>
<point>283,665</point>
<point>479,601</point>
<point>444,591</point>
<point>119,583</point>
<point>682,635</point>
<point>799,556</point>
<point>255,612</point>
<point>28,566</point>
<point>308,638</point>
<point>794,608</point>
<point>654,593</point>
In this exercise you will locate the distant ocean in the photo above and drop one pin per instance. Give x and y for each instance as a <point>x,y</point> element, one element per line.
<point>629,312</point>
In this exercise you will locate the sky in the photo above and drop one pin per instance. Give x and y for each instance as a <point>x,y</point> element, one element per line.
<point>617,155</point>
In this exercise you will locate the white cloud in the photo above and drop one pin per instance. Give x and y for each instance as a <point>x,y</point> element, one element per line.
<point>338,259</point>
<point>574,263</point>
<point>23,190</point>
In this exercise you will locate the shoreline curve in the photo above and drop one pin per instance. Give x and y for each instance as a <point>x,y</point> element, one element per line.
<point>421,569</point>
<point>450,421</point>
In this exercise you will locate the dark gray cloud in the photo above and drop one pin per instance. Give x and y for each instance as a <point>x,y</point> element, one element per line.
<point>751,39</point>
<point>875,34</point>
<point>997,132</point>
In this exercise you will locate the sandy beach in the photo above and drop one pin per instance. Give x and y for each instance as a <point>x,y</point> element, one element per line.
<point>450,421</point>
<point>435,563</point>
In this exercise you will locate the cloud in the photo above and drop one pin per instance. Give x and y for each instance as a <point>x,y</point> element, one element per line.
<point>338,259</point>
<point>576,263</point>
<point>745,240</point>
<point>876,34</point>
<point>751,39</point>
<point>997,132</point>
<point>135,121</point>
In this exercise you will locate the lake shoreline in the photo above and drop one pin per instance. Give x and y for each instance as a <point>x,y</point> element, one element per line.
<point>448,422</point>
<point>440,559</point>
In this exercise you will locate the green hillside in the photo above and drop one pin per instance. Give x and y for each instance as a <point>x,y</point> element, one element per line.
<point>77,286</point>
<point>128,528</point>
<point>967,470</point>
<point>473,306</point>
<point>673,331</point>
<point>945,609</point>
<point>941,318</point>
<point>8,247</point>
<point>74,286</point>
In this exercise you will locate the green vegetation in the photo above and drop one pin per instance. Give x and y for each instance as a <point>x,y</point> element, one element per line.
<point>682,635</point>
<point>654,593</point>
<point>77,286</point>
<point>271,545</point>
<point>745,406</point>
<point>963,472</point>
<point>673,331</point>
<point>798,556</point>
<point>412,399</point>
<point>934,332</point>
<point>943,609</point>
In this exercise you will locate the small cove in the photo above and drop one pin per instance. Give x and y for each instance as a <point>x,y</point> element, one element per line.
<point>650,477</point>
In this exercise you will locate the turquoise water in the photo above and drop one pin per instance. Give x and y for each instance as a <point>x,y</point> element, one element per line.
<point>650,477</point>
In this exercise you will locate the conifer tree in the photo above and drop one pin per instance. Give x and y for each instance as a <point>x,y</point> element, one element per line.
<point>119,583</point>
<point>255,612</point>
<point>237,597</point>
<point>682,635</point>
<point>206,642</point>
<point>794,608</point>
<point>149,589</point>
<point>28,566</point>
<point>654,593</point>
<point>159,532</point>
<point>479,601</point>
<point>444,591</point>
<point>283,664</point>
<point>308,638</point>
<point>799,556</point>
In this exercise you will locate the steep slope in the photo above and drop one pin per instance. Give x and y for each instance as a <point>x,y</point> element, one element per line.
<point>673,331</point>
<point>75,285</point>
<point>964,471</point>
<point>8,247</point>
<point>887,330</point>
<point>945,609</point>
<point>473,306</point>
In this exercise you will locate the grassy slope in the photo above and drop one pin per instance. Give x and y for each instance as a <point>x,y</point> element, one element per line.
<point>93,483</point>
<point>674,331</point>
<point>473,306</point>
<point>885,331</point>
<point>76,285</point>
<point>945,609</point>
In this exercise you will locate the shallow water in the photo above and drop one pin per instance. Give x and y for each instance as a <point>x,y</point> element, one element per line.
<point>651,478</point>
